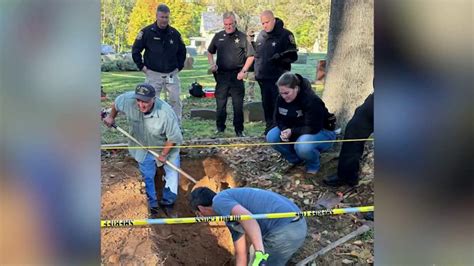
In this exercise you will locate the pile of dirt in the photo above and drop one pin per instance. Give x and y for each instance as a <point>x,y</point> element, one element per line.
<point>123,198</point>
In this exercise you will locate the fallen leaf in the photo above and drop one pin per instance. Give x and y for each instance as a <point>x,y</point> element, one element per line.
<point>316,237</point>
<point>365,254</point>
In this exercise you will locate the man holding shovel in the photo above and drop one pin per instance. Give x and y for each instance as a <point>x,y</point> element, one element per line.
<point>153,123</point>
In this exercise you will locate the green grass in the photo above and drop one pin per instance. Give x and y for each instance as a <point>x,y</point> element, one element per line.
<point>116,83</point>
<point>368,235</point>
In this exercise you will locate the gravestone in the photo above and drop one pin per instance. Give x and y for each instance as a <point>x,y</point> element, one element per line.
<point>207,114</point>
<point>191,51</point>
<point>127,57</point>
<point>188,63</point>
<point>253,112</point>
<point>108,57</point>
<point>302,59</point>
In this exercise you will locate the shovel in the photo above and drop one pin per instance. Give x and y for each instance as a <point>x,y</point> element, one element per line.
<point>170,164</point>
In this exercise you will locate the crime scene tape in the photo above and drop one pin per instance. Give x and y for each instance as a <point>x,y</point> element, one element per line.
<point>231,218</point>
<point>234,145</point>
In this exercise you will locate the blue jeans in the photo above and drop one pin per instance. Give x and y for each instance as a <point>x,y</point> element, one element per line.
<point>308,152</point>
<point>284,241</point>
<point>148,171</point>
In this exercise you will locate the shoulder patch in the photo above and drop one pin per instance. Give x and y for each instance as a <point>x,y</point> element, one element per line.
<point>292,38</point>
<point>140,35</point>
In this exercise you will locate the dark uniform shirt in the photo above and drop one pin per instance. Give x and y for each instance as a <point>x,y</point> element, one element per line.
<point>279,42</point>
<point>232,50</point>
<point>306,114</point>
<point>164,49</point>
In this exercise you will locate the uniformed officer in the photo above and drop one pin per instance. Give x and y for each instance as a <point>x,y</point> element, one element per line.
<point>275,49</point>
<point>164,56</point>
<point>235,55</point>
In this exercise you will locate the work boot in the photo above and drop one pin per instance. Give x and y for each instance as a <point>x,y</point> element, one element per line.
<point>336,181</point>
<point>168,209</point>
<point>154,211</point>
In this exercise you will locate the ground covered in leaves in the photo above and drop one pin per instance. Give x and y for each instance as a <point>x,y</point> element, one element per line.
<point>123,197</point>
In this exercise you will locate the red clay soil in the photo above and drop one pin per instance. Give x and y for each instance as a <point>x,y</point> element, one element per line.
<point>123,196</point>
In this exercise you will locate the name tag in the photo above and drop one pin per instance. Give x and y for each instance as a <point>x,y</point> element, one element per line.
<point>221,40</point>
<point>157,38</point>
<point>282,111</point>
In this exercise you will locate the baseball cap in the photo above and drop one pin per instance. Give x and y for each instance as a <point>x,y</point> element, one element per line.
<point>144,92</point>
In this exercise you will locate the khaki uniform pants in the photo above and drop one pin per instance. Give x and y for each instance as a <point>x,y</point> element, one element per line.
<point>172,85</point>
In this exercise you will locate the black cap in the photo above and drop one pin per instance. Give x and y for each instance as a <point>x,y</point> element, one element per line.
<point>201,196</point>
<point>144,92</point>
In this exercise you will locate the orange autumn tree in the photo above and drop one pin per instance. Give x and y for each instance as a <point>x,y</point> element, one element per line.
<point>183,17</point>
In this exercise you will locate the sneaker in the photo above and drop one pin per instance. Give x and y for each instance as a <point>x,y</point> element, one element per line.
<point>219,133</point>
<point>239,134</point>
<point>311,175</point>
<point>292,166</point>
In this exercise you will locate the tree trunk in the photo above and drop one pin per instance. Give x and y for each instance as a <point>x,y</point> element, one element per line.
<point>350,69</point>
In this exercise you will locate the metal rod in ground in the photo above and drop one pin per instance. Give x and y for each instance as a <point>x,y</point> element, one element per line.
<point>156,154</point>
<point>189,220</point>
<point>364,228</point>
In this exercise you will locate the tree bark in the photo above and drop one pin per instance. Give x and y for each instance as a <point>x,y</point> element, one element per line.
<point>350,69</point>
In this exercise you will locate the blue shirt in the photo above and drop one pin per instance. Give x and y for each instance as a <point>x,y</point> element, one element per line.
<point>256,201</point>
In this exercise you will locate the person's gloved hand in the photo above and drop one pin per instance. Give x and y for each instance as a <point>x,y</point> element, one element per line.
<point>109,121</point>
<point>275,57</point>
<point>260,258</point>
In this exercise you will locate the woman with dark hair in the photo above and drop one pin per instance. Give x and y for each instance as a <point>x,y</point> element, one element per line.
<point>300,116</point>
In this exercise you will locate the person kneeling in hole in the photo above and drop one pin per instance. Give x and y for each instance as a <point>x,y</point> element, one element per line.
<point>274,240</point>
